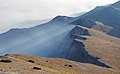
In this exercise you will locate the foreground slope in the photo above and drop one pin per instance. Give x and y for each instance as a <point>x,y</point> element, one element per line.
<point>27,64</point>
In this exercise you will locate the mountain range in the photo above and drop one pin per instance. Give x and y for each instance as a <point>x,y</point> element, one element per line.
<point>93,38</point>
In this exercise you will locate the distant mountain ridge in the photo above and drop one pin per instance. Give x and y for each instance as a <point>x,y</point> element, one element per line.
<point>117,4</point>
<point>108,15</point>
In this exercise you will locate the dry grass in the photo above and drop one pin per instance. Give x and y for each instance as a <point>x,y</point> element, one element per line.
<point>105,47</point>
<point>21,65</point>
<point>100,45</point>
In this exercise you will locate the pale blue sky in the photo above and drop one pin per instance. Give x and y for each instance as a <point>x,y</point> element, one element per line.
<point>14,11</point>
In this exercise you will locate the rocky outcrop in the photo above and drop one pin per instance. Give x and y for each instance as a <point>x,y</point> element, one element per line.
<point>6,61</point>
<point>84,22</point>
<point>80,31</point>
<point>36,68</point>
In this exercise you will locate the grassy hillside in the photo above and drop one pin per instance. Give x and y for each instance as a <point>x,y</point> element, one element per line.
<point>100,45</point>
<point>21,64</point>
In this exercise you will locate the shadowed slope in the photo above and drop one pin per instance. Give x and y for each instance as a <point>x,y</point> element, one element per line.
<point>59,40</point>
<point>108,15</point>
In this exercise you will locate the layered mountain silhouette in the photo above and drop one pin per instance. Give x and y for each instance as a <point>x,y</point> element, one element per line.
<point>63,36</point>
<point>108,15</point>
<point>56,38</point>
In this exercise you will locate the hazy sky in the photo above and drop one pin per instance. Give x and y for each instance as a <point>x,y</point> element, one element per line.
<point>13,11</point>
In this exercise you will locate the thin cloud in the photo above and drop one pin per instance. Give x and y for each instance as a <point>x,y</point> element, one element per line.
<point>13,11</point>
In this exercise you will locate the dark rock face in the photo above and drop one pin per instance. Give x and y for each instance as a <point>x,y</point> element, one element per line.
<point>84,22</point>
<point>79,31</point>
<point>73,49</point>
<point>78,53</point>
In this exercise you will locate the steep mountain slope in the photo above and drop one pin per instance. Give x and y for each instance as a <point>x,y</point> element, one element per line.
<point>56,36</point>
<point>101,46</point>
<point>104,47</point>
<point>117,4</point>
<point>93,24</point>
<point>108,15</point>
<point>27,64</point>
<point>42,37</point>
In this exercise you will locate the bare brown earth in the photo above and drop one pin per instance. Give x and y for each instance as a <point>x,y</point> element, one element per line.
<point>100,45</point>
<point>20,65</point>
